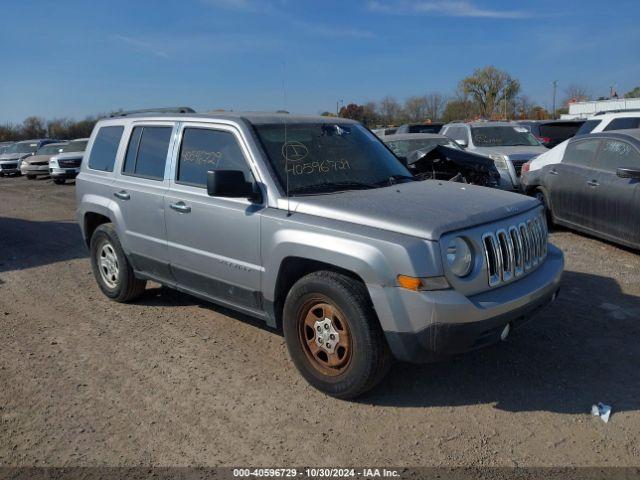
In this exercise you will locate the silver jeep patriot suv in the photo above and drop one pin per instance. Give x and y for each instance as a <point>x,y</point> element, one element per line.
<point>314,226</point>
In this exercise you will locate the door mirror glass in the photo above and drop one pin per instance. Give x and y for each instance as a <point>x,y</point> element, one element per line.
<point>229,183</point>
<point>625,172</point>
<point>462,143</point>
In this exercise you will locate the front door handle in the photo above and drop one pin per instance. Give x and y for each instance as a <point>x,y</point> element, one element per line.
<point>593,183</point>
<point>180,207</point>
<point>553,171</point>
<point>122,195</point>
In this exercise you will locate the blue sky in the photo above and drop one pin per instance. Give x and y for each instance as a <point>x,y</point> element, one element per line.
<point>75,58</point>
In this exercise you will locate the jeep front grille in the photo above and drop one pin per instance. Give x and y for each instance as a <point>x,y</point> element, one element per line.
<point>513,251</point>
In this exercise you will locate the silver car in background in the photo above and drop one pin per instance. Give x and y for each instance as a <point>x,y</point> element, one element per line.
<point>66,165</point>
<point>508,144</point>
<point>12,157</point>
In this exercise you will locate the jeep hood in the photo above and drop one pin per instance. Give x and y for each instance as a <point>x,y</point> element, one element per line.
<point>424,209</point>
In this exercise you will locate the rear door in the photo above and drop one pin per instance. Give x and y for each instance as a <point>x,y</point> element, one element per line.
<point>566,181</point>
<point>139,189</point>
<point>615,202</point>
<point>214,242</point>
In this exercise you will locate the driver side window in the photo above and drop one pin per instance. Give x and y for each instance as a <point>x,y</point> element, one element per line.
<point>615,154</point>
<point>203,150</point>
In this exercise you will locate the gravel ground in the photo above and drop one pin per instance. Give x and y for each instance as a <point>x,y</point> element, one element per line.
<point>170,380</point>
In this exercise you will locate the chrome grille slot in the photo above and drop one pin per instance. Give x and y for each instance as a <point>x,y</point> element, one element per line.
<point>493,258</point>
<point>518,257</point>
<point>508,256</point>
<point>512,251</point>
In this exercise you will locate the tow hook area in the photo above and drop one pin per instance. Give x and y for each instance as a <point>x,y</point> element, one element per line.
<point>505,332</point>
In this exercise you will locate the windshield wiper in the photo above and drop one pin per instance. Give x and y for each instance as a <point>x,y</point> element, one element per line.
<point>393,179</point>
<point>332,187</point>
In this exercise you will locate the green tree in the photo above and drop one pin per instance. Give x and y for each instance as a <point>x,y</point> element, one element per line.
<point>635,93</point>
<point>490,89</point>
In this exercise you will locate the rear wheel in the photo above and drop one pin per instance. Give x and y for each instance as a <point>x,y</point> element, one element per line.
<point>333,335</point>
<point>111,268</point>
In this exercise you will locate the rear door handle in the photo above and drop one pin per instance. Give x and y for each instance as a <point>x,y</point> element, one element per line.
<point>180,207</point>
<point>553,171</point>
<point>593,183</point>
<point>122,195</point>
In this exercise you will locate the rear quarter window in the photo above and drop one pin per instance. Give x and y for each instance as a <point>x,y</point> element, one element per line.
<point>623,124</point>
<point>105,147</point>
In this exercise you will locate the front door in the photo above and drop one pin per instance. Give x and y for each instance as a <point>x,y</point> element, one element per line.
<point>214,242</point>
<point>615,202</point>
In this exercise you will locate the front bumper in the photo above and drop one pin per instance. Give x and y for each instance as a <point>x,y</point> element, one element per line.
<point>34,169</point>
<point>10,168</point>
<point>66,173</point>
<point>433,325</point>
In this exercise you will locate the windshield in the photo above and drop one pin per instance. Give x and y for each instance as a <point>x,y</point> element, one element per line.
<point>26,147</point>
<point>326,157</point>
<point>503,136</point>
<point>425,128</point>
<point>402,148</point>
<point>50,149</point>
<point>588,126</point>
<point>79,146</point>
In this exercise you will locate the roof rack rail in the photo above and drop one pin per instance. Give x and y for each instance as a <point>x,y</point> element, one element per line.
<point>153,110</point>
<point>620,110</point>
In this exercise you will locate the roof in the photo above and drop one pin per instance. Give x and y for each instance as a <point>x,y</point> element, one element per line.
<point>256,118</point>
<point>413,136</point>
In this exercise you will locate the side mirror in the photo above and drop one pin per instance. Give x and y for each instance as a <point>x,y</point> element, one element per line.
<point>462,143</point>
<point>230,183</point>
<point>625,172</point>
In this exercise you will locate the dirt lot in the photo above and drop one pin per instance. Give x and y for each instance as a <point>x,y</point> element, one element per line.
<point>170,380</point>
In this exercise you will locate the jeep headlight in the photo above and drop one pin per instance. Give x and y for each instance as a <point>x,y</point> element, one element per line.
<point>499,160</point>
<point>459,257</point>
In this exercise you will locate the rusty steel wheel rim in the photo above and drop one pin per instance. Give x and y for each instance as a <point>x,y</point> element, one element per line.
<point>325,336</point>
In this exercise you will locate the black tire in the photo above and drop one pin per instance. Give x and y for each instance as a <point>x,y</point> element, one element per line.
<point>1,174</point>
<point>369,358</point>
<point>31,177</point>
<point>125,286</point>
<point>59,181</point>
<point>543,196</point>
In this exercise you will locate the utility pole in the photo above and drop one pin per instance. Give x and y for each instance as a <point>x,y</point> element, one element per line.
<point>555,86</point>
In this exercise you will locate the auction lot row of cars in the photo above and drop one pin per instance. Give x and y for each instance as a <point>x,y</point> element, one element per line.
<point>43,157</point>
<point>361,250</point>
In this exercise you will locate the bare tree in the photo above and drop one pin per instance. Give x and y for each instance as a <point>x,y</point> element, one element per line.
<point>33,127</point>
<point>491,89</point>
<point>576,93</point>
<point>415,108</point>
<point>435,106</point>
<point>390,110</point>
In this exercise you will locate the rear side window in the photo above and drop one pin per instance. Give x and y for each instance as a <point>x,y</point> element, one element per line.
<point>105,146</point>
<point>559,130</point>
<point>623,124</point>
<point>581,153</point>
<point>615,154</point>
<point>588,126</point>
<point>205,150</point>
<point>147,152</point>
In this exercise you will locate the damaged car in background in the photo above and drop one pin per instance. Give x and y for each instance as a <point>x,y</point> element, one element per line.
<point>436,157</point>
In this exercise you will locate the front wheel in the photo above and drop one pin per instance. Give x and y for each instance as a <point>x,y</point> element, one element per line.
<point>31,177</point>
<point>542,195</point>
<point>111,268</point>
<point>333,335</point>
<point>59,181</point>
